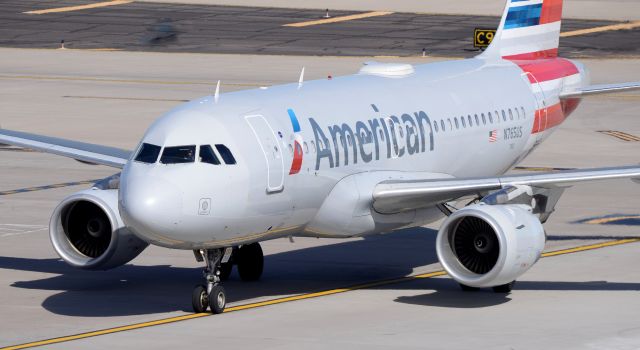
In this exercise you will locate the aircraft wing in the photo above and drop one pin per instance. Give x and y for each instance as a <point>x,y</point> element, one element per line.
<point>393,196</point>
<point>84,152</point>
<point>600,89</point>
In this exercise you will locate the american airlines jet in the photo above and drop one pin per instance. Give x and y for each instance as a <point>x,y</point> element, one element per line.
<point>384,149</point>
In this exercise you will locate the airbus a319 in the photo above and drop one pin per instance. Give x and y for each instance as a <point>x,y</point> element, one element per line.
<point>381,150</point>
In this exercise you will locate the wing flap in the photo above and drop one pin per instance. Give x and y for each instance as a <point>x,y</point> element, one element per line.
<point>393,196</point>
<point>85,152</point>
<point>600,89</point>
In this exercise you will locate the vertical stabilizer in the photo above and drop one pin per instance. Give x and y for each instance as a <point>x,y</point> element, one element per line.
<point>529,29</point>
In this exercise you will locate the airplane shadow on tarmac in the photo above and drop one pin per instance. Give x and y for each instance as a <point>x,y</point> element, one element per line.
<point>139,290</point>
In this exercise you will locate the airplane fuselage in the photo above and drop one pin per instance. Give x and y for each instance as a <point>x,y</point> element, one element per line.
<point>298,147</point>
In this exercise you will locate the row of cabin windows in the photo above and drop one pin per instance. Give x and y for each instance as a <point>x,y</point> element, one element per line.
<point>480,119</point>
<point>184,154</point>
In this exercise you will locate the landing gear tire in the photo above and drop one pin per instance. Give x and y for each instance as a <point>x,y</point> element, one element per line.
<point>212,294</point>
<point>217,299</point>
<point>250,261</point>
<point>466,288</point>
<point>505,288</point>
<point>200,299</point>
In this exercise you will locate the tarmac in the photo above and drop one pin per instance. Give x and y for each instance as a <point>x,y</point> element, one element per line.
<point>162,27</point>
<point>315,293</point>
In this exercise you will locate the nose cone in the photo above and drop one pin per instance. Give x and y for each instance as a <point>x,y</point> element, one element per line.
<point>151,207</point>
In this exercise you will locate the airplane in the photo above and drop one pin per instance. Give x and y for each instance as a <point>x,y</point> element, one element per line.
<point>388,148</point>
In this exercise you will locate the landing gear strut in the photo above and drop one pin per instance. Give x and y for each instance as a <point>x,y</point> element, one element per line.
<point>211,295</point>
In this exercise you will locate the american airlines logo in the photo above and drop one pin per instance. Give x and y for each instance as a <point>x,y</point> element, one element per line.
<point>369,140</point>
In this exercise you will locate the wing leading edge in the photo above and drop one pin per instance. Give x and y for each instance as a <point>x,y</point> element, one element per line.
<point>85,152</point>
<point>394,196</point>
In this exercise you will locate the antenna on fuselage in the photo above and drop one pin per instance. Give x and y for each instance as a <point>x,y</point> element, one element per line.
<point>216,95</point>
<point>301,80</point>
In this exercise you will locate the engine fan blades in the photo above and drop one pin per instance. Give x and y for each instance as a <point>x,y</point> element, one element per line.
<point>476,245</point>
<point>89,229</point>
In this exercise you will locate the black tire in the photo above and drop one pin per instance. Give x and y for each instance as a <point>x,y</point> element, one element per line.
<point>217,299</point>
<point>250,261</point>
<point>200,299</point>
<point>505,288</point>
<point>466,288</point>
<point>225,270</point>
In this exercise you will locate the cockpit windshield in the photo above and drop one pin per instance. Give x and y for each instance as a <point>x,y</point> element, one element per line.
<point>178,154</point>
<point>148,153</point>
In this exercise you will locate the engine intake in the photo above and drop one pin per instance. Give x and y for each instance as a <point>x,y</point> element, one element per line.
<point>490,245</point>
<point>87,232</point>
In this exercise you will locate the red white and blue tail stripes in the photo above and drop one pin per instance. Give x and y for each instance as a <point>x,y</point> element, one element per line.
<point>529,36</point>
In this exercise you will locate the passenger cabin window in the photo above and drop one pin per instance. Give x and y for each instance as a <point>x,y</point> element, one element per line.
<point>442,125</point>
<point>148,153</point>
<point>178,155</point>
<point>208,156</point>
<point>226,155</point>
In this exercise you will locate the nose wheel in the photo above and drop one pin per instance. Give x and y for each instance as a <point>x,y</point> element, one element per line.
<point>212,295</point>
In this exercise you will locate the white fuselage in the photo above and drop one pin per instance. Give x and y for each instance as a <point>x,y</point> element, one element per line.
<point>316,178</point>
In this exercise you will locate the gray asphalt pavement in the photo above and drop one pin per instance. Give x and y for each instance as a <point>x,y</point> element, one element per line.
<point>163,27</point>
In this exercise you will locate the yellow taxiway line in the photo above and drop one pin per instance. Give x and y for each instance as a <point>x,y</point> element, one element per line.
<point>338,19</point>
<point>621,26</point>
<point>621,135</point>
<point>80,7</point>
<point>290,299</point>
<point>601,221</point>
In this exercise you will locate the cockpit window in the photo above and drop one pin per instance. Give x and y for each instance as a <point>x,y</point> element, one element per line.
<point>178,154</point>
<point>208,156</point>
<point>226,155</point>
<point>148,153</point>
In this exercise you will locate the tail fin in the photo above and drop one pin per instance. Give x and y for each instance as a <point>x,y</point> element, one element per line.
<point>529,29</point>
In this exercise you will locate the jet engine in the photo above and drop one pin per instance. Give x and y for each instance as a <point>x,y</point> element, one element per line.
<point>490,245</point>
<point>87,232</point>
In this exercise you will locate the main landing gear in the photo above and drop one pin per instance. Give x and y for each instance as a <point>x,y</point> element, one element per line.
<point>219,264</point>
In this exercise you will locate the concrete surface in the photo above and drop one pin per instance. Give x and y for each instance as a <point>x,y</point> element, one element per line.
<point>579,301</point>
<point>253,30</point>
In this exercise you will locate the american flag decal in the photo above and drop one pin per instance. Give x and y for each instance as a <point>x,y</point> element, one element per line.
<point>493,135</point>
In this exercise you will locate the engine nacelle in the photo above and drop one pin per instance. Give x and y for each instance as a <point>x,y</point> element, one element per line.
<point>87,232</point>
<point>490,245</point>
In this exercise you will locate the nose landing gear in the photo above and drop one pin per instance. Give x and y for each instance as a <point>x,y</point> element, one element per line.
<point>213,294</point>
<point>249,260</point>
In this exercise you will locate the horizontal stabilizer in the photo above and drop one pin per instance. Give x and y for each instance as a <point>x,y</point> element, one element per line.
<point>600,89</point>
